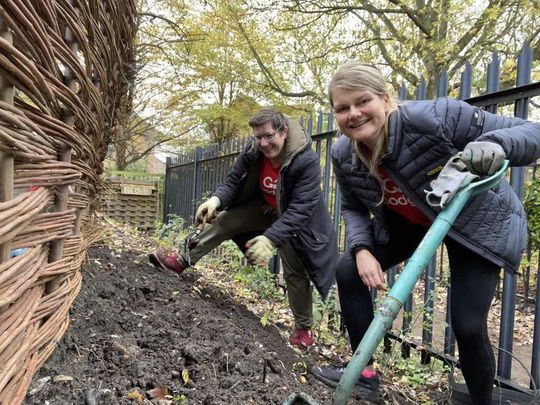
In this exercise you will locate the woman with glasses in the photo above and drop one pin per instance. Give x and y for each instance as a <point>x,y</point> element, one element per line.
<point>272,199</point>
<point>387,158</point>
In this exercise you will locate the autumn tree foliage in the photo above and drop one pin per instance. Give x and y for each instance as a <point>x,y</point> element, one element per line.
<point>417,39</point>
<point>203,67</point>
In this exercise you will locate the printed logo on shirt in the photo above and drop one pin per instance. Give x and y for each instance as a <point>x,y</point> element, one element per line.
<point>397,201</point>
<point>269,185</point>
<point>393,194</point>
<point>268,179</point>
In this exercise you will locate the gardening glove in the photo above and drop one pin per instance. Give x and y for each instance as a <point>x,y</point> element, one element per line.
<point>260,250</point>
<point>207,210</point>
<point>452,177</point>
<point>483,158</point>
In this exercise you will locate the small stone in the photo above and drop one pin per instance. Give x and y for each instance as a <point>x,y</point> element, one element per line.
<point>62,378</point>
<point>40,384</point>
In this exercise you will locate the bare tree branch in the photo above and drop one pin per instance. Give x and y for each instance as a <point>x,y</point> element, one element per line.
<point>268,75</point>
<point>412,14</point>
<point>138,156</point>
<point>480,24</point>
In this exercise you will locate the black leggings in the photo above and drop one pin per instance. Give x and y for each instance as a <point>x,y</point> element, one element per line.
<point>473,279</point>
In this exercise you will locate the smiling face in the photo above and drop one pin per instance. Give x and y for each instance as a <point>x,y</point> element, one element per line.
<point>359,114</point>
<point>271,149</point>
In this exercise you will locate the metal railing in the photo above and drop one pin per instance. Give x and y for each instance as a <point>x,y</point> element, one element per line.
<point>192,177</point>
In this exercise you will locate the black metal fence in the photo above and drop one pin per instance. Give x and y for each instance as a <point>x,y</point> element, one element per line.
<point>191,178</point>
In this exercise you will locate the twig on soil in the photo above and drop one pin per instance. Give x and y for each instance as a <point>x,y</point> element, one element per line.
<point>282,365</point>
<point>234,385</point>
<point>287,370</point>
<point>99,358</point>
<point>391,393</point>
<point>79,354</point>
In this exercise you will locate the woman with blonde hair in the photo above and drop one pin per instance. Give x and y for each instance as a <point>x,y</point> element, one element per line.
<point>384,161</point>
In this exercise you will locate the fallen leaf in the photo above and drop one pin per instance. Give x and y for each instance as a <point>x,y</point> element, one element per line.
<point>159,393</point>
<point>185,376</point>
<point>136,395</point>
<point>302,378</point>
<point>300,366</point>
<point>265,317</point>
<point>61,378</point>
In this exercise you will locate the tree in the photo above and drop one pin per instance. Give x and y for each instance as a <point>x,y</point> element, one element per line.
<point>216,63</point>
<point>148,120</point>
<point>210,75</point>
<point>418,39</point>
<point>204,67</point>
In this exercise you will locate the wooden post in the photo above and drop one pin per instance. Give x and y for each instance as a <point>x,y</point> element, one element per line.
<point>7,168</point>
<point>61,201</point>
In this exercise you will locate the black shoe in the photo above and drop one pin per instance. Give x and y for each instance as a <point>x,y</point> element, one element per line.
<point>331,375</point>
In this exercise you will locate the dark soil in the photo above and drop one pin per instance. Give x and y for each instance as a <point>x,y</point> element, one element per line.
<point>135,328</point>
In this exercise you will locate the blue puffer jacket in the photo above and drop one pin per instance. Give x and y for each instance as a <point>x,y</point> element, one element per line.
<point>303,219</point>
<point>423,135</point>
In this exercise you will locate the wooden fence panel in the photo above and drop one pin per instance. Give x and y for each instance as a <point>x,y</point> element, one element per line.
<point>133,202</point>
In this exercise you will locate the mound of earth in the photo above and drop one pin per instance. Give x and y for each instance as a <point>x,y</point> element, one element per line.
<point>143,335</point>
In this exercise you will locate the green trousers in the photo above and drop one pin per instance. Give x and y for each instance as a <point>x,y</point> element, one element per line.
<point>254,218</point>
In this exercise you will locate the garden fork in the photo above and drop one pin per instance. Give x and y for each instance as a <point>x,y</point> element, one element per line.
<point>401,289</point>
<point>192,240</point>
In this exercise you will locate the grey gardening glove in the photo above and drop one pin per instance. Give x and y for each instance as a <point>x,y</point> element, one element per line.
<point>483,158</point>
<point>453,177</point>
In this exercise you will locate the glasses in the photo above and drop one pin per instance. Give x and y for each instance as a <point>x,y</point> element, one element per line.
<point>268,136</point>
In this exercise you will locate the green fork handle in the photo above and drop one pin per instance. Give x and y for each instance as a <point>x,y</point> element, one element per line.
<point>408,277</point>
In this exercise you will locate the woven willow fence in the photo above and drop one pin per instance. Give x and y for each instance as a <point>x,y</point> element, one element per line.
<point>64,81</point>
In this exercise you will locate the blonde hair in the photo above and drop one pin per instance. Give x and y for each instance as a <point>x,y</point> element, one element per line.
<point>360,76</point>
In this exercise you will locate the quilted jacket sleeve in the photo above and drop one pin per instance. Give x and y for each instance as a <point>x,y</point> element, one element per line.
<point>358,226</point>
<point>230,187</point>
<point>464,123</point>
<point>303,191</point>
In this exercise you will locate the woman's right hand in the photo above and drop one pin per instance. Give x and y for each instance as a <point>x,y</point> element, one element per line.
<point>207,211</point>
<point>369,270</point>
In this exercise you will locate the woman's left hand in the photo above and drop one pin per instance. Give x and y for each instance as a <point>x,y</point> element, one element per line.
<point>483,158</point>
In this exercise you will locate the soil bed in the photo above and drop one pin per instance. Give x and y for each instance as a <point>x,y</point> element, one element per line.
<point>135,328</point>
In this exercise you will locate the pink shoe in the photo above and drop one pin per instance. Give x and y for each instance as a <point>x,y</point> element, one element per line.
<point>301,338</point>
<point>167,259</point>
